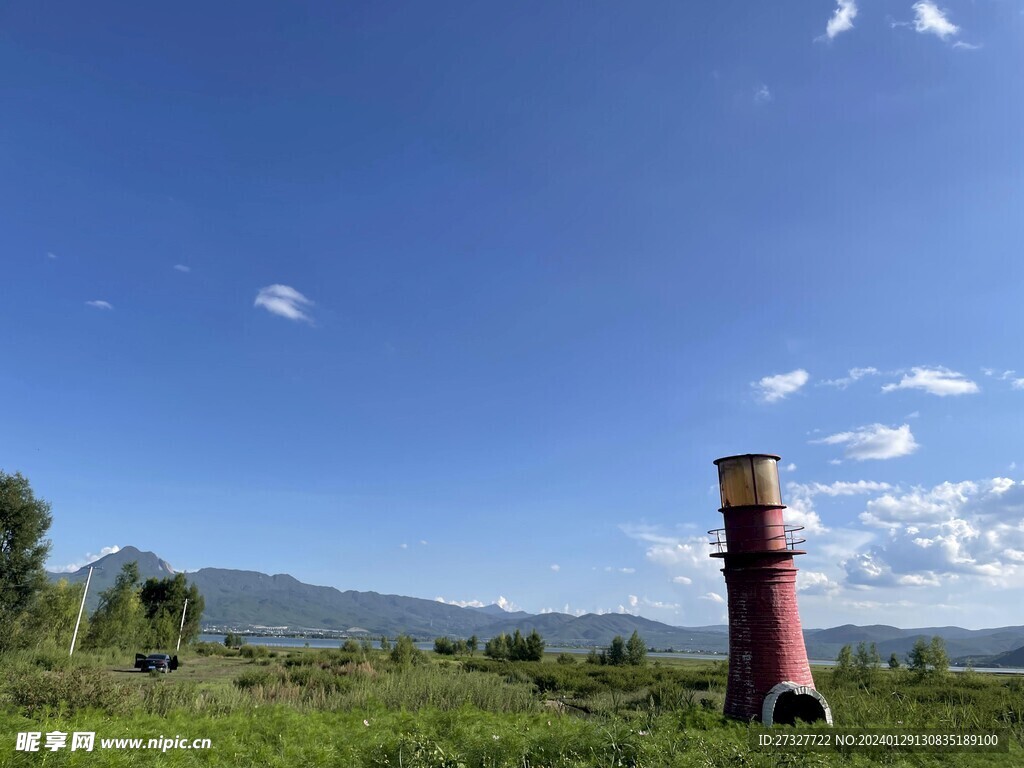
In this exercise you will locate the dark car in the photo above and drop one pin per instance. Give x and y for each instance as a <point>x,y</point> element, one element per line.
<point>156,662</point>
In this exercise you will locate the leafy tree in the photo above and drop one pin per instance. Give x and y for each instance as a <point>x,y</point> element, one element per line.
<point>444,646</point>
<point>517,649</point>
<point>163,601</point>
<point>233,640</point>
<point>844,662</point>
<point>636,650</point>
<point>866,661</point>
<point>24,521</point>
<point>594,657</point>
<point>566,659</point>
<point>385,644</point>
<point>894,661</point>
<point>937,655</point>
<point>351,645</point>
<point>617,652</point>
<point>473,644</point>
<point>120,619</point>
<point>929,658</point>
<point>50,619</point>
<point>499,647</point>
<point>534,650</point>
<point>405,653</point>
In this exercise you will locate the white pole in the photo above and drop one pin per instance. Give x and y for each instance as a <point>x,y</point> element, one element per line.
<point>80,609</point>
<point>182,627</point>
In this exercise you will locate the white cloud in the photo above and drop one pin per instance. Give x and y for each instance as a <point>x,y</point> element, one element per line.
<point>403,545</point>
<point>51,255</point>
<point>874,441</point>
<point>627,570</point>
<point>842,19</point>
<point>633,600</point>
<point>951,531</point>
<point>791,467</point>
<point>853,375</point>
<point>929,19</point>
<point>1017,383</point>
<point>684,580</point>
<point>961,45</point>
<point>838,488</point>
<point>284,301</point>
<point>423,542</point>
<point>713,597</point>
<point>935,381</point>
<point>778,387</point>
<point>182,268</point>
<point>89,558</point>
<point>461,603</point>
<point>801,510</point>
<point>100,304</point>
<point>762,94</point>
<point>556,567</point>
<point>815,583</point>
<point>506,604</point>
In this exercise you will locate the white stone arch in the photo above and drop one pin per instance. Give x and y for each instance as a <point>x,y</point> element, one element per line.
<point>768,707</point>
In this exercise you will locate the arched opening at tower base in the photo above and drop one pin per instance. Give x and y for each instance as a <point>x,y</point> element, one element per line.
<point>788,703</point>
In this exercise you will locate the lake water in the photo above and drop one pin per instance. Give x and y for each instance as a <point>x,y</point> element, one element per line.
<point>322,642</point>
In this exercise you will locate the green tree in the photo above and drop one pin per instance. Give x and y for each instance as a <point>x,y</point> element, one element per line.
<point>844,663</point>
<point>49,621</point>
<point>894,661</point>
<point>24,521</point>
<point>473,644</point>
<point>233,640</point>
<point>534,650</point>
<point>937,655</point>
<point>163,601</point>
<point>617,651</point>
<point>120,620</point>
<point>405,653</point>
<point>866,661</point>
<point>385,644</point>
<point>636,650</point>
<point>499,647</point>
<point>351,645</point>
<point>929,658</point>
<point>443,646</point>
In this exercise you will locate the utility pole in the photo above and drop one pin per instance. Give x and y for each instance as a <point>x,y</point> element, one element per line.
<point>182,627</point>
<point>80,609</point>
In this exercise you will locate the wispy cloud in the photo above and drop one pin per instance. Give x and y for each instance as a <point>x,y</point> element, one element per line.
<point>762,94</point>
<point>89,558</point>
<point>684,580</point>
<point>853,375</point>
<point>51,255</point>
<point>935,381</point>
<point>961,45</point>
<point>874,441</point>
<point>1017,383</point>
<point>930,20</point>
<point>556,567</point>
<point>182,268</point>
<point>780,386</point>
<point>842,19</point>
<point>460,603</point>
<point>284,301</point>
<point>100,304</point>
<point>714,597</point>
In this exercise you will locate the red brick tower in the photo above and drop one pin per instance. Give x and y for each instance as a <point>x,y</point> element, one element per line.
<point>769,677</point>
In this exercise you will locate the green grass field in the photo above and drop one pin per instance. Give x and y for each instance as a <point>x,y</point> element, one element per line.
<point>308,707</point>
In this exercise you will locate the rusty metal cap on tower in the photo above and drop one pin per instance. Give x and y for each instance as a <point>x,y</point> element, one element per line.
<point>749,480</point>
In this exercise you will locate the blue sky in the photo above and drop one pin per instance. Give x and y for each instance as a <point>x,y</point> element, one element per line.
<point>462,301</point>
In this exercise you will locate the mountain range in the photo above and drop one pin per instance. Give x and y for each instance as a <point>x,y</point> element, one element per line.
<point>246,599</point>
